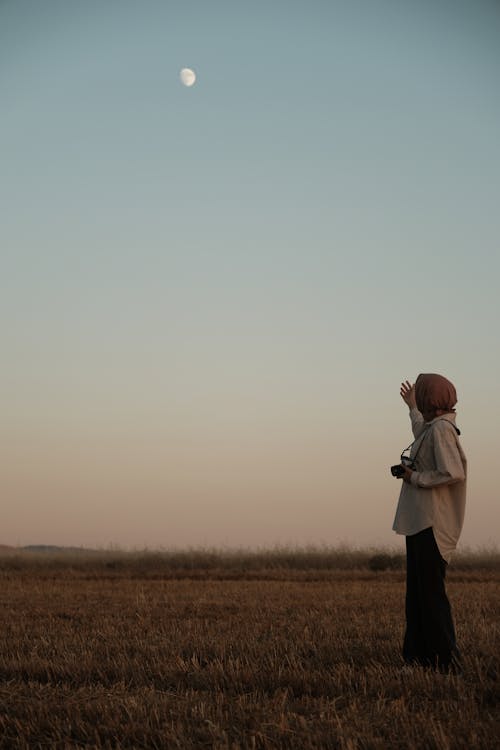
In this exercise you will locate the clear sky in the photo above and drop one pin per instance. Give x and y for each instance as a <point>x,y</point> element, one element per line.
<point>210,295</point>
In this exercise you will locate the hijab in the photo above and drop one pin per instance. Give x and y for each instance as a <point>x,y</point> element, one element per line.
<point>434,392</point>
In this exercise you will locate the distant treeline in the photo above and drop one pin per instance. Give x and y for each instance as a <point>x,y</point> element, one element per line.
<point>237,563</point>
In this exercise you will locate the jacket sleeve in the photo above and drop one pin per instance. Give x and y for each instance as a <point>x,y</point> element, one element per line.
<point>449,465</point>
<point>417,422</point>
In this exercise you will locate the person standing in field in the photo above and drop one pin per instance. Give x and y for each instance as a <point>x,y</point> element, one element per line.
<point>430,514</point>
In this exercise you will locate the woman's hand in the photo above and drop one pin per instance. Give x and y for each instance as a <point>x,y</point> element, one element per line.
<point>407,475</point>
<point>407,392</point>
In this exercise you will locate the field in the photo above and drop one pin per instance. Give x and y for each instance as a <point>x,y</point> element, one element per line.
<point>272,650</point>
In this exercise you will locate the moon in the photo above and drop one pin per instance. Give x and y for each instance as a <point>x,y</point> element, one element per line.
<point>187,76</point>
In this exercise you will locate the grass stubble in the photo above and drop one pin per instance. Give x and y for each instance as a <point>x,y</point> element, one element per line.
<point>118,653</point>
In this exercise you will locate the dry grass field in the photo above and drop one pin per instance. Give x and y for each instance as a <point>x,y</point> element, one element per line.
<point>152,651</point>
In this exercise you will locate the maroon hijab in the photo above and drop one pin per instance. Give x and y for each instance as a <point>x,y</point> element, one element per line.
<point>434,392</point>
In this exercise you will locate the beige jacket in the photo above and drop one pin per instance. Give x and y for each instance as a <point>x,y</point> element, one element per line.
<point>436,495</point>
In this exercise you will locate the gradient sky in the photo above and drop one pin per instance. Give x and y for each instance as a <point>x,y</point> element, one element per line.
<point>210,295</point>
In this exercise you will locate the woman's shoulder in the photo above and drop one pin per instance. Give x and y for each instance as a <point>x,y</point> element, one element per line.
<point>445,427</point>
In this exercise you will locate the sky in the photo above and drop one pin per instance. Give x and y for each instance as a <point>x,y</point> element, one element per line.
<point>210,295</point>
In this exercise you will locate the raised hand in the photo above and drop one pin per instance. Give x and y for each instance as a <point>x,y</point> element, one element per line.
<point>407,392</point>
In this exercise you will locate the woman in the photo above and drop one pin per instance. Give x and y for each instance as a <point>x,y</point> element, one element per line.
<point>430,514</point>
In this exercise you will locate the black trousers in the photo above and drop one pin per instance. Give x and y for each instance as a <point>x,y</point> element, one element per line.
<point>430,636</point>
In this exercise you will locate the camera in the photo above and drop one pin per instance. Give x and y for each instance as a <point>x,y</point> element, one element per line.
<point>399,470</point>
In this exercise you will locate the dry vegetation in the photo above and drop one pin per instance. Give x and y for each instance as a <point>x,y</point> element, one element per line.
<point>161,651</point>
